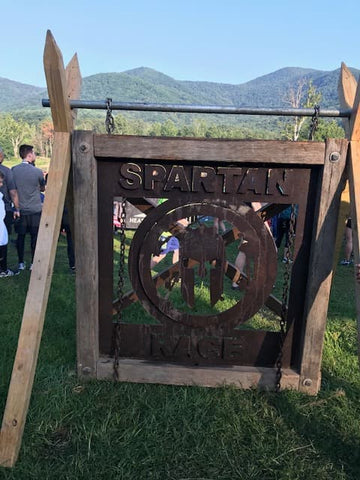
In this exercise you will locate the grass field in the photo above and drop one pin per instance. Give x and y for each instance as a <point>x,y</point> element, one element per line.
<point>41,162</point>
<point>101,430</point>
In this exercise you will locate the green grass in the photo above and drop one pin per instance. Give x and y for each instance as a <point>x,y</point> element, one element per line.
<point>41,162</point>
<point>102,430</point>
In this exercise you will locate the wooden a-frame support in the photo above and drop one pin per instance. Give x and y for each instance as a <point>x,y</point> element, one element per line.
<point>349,95</point>
<point>62,85</point>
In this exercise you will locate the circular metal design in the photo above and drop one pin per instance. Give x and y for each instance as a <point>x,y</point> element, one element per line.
<point>261,263</point>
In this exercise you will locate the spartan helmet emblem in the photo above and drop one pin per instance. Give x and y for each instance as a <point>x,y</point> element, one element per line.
<point>201,245</point>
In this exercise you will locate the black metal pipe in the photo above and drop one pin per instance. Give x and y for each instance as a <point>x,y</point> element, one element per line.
<point>209,109</point>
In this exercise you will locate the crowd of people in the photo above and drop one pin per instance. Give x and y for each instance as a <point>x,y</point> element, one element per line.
<point>21,201</point>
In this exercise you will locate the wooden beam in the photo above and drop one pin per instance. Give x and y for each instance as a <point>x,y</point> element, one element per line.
<point>347,86</point>
<point>355,117</point>
<point>354,181</point>
<point>73,88</point>
<point>321,268</point>
<point>209,150</point>
<point>349,95</point>
<point>346,91</point>
<point>86,254</point>
<point>140,371</point>
<point>38,291</point>
<point>73,82</point>
<point>56,84</point>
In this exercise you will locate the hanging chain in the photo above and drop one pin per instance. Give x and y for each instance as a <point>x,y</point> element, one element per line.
<point>314,122</point>
<point>285,294</point>
<point>120,289</point>
<point>109,121</point>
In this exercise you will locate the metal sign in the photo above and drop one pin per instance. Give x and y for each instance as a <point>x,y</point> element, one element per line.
<point>186,326</point>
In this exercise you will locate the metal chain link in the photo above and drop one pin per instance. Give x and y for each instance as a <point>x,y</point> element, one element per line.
<point>109,120</point>
<point>314,122</point>
<point>285,294</point>
<point>120,289</point>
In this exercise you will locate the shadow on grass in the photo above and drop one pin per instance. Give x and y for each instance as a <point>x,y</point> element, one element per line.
<point>328,421</point>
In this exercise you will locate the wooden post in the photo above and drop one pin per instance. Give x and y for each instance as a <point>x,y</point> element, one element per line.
<point>349,94</point>
<point>354,181</point>
<point>73,85</point>
<point>86,238</point>
<point>36,301</point>
<point>321,268</point>
<point>346,92</point>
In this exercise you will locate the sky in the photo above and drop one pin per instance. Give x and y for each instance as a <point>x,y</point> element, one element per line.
<point>228,41</point>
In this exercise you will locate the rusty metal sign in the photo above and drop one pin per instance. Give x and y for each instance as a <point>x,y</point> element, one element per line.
<point>201,248</point>
<point>199,302</point>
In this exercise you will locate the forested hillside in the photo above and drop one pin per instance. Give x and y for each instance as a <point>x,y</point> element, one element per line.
<point>147,85</point>
<point>22,118</point>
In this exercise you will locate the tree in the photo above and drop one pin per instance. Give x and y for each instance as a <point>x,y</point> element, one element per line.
<point>44,138</point>
<point>328,129</point>
<point>169,129</point>
<point>122,126</point>
<point>303,95</point>
<point>15,132</point>
<point>155,129</point>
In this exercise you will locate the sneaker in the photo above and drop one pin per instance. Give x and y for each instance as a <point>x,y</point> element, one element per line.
<point>30,268</point>
<point>345,262</point>
<point>7,273</point>
<point>21,266</point>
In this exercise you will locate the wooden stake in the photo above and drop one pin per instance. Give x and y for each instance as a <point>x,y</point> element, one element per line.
<point>349,94</point>
<point>36,301</point>
<point>346,91</point>
<point>354,181</point>
<point>73,86</point>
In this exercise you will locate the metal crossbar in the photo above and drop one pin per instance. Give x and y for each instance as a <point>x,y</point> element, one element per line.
<point>209,109</point>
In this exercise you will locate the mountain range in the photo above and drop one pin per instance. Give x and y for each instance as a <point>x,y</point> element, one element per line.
<point>147,85</point>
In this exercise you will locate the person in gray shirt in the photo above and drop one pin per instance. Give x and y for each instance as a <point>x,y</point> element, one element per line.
<point>29,182</point>
<point>11,202</point>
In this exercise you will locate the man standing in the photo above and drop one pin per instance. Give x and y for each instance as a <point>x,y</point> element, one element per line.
<point>11,202</point>
<point>29,182</point>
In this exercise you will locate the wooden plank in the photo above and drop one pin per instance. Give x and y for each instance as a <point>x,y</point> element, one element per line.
<point>355,117</point>
<point>209,150</point>
<point>86,253</point>
<point>73,82</point>
<point>346,91</point>
<point>35,307</point>
<point>354,181</point>
<point>140,371</point>
<point>321,268</point>
<point>349,94</point>
<point>73,88</point>
<point>56,83</point>
<point>38,292</point>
